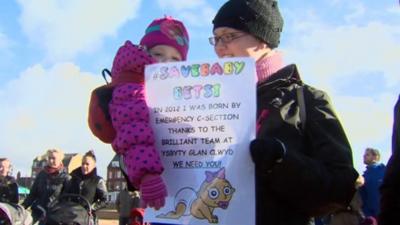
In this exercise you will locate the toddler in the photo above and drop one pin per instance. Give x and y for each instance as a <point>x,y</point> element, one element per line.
<point>165,40</point>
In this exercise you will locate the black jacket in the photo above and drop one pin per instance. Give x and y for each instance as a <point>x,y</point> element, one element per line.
<point>45,190</point>
<point>390,196</point>
<point>8,190</point>
<point>90,186</point>
<point>316,175</point>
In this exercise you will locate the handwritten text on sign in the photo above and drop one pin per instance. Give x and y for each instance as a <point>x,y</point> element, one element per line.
<point>203,115</point>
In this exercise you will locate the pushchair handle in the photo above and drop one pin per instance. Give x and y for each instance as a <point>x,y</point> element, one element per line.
<point>70,209</point>
<point>78,198</point>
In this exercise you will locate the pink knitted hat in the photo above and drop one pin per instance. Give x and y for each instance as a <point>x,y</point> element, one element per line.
<point>167,31</point>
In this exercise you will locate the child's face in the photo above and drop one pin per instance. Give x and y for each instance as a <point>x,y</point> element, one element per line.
<point>234,43</point>
<point>165,53</point>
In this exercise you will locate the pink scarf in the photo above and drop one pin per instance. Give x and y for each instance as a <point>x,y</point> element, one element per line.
<point>269,65</point>
<point>53,170</point>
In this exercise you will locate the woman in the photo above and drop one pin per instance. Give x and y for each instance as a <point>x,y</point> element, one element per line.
<point>48,185</point>
<point>8,184</point>
<point>87,183</point>
<point>302,170</point>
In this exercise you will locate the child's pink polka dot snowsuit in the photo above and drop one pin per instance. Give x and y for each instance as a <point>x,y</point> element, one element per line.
<point>130,115</point>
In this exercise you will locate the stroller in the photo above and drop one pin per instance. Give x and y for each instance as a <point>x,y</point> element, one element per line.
<point>70,209</point>
<point>14,214</point>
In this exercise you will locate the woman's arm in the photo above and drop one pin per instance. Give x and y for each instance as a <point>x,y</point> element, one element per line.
<point>324,178</point>
<point>33,194</point>
<point>14,192</point>
<point>100,199</point>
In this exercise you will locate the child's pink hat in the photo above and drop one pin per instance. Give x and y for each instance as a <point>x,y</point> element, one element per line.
<point>167,31</point>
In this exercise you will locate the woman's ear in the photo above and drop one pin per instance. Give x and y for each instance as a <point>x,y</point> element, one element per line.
<point>262,45</point>
<point>263,48</point>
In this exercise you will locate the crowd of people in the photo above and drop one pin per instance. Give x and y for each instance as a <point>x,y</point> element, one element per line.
<point>303,160</point>
<point>53,181</point>
<point>49,186</point>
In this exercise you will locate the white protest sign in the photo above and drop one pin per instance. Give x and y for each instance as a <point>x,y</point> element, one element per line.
<point>203,115</point>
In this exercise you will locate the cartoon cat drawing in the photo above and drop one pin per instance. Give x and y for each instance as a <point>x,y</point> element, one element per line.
<point>214,192</point>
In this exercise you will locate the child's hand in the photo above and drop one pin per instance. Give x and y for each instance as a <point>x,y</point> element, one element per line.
<point>130,60</point>
<point>153,191</point>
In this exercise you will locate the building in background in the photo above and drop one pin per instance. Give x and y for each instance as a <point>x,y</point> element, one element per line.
<point>115,180</point>
<point>24,183</point>
<point>72,161</point>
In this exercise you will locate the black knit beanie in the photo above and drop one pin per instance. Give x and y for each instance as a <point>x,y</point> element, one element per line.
<point>260,18</point>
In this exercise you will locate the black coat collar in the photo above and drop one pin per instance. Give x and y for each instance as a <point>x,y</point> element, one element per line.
<point>287,74</point>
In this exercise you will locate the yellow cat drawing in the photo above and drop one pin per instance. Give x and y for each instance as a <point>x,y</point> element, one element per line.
<point>214,192</point>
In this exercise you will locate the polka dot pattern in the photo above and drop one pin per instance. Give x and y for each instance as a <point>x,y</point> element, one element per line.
<point>135,137</point>
<point>138,163</point>
<point>130,117</point>
<point>130,58</point>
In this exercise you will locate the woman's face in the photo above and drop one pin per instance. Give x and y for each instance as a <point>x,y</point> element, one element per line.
<point>4,168</point>
<point>230,42</point>
<point>88,164</point>
<point>54,159</point>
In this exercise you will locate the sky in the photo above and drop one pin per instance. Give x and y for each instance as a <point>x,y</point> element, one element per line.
<point>52,53</point>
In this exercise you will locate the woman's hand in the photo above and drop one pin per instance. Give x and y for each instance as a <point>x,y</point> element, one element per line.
<point>266,152</point>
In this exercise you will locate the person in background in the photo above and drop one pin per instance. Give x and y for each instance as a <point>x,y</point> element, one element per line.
<point>126,200</point>
<point>85,182</point>
<point>8,184</point>
<point>303,166</point>
<point>373,176</point>
<point>48,185</point>
<point>390,195</point>
<point>10,211</point>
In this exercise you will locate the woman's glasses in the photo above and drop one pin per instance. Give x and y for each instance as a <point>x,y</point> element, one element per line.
<point>226,38</point>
